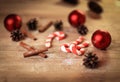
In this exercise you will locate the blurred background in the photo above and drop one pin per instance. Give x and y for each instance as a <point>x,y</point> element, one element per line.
<point>59,66</point>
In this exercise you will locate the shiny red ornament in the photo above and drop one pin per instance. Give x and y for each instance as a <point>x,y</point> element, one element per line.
<point>101,39</point>
<point>76,18</point>
<point>12,22</point>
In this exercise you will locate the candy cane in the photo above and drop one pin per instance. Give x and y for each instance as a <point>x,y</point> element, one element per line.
<point>79,40</point>
<point>75,47</point>
<point>78,49</point>
<point>65,48</point>
<point>74,50</point>
<point>83,45</point>
<point>58,35</point>
<point>49,40</point>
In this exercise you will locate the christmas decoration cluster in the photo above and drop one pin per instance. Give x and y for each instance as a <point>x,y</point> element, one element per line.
<point>100,39</point>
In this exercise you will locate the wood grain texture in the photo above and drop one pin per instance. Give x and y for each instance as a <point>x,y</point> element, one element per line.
<point>15,68</point>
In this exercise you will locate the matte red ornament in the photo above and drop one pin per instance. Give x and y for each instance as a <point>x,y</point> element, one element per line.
<point>76,18</point>
<point>12,22</point>
<point>101,39</point>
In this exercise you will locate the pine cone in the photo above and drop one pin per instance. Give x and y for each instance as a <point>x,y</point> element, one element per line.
<point>17,35</point>
<point>58,25</point>
<point>95,7</point>
<point>32,24</point>
<point>73,2</point>
<point>91,60</point>
<point>82,30</point>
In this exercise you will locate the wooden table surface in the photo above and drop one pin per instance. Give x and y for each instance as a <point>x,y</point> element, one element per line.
<point>59,66</point>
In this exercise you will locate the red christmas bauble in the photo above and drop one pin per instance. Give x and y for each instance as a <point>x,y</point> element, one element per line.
<point>12,22</point>
<point>101,39</point>
<point>76,18</point>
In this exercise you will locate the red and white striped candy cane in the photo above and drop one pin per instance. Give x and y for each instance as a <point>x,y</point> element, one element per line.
<point>65,48</point>
<point>59,36</point>
<point>76,47</point>
<point>79,40</point>
<point>75,50</point>
<point>48,42</point>
<point>83,45</point>
<point>79,49</point>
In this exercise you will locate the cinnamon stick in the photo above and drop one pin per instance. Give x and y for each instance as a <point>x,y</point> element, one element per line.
<point>28,34</point>
<point>32,51</point>
<point>35,52</point>
<point>43,55</point>
<point>42,29</point>
<point>26,46</point>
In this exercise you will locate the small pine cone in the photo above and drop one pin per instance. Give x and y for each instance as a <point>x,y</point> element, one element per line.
<point>32,24</point>
<point>16,35</point>
<point>82,30</point>
<point>95,7</point>
<point>58,25</point>
<point>91,60</point>
<point>73,2</point>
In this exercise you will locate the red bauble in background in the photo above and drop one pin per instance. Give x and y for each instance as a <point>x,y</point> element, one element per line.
<point>76,18</point>
<point>101,39</point>
<point>12,22</point>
